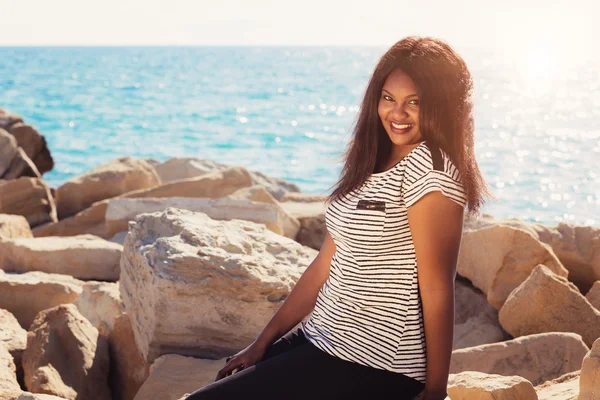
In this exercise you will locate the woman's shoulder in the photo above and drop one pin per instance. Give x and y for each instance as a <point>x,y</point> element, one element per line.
<point>426,158</point>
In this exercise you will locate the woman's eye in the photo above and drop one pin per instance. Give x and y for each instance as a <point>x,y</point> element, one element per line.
<point>415,102</point>
<point>388,98</point>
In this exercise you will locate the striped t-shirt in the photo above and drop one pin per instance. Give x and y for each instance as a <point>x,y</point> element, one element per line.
<point>369,309</point>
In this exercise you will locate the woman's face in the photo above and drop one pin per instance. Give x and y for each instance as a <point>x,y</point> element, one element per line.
<point>399,106</point>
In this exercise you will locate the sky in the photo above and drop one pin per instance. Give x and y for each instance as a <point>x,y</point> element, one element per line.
<point>465,23</point>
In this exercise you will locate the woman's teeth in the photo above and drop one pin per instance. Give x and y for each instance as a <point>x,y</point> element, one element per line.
<point>404,126</point>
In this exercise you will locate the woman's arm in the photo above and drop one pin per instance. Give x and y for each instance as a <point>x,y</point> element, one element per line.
<point>302,298</point>
<point>436,226</point>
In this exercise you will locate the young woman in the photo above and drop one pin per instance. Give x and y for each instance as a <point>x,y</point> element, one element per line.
<point>375,322</point>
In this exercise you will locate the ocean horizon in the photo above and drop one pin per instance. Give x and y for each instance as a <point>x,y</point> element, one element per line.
<point>288,111</point>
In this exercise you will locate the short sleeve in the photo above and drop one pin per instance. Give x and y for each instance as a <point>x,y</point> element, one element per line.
<point>421,178</point>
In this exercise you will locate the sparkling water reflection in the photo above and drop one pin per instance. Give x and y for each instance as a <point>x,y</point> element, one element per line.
<point>288,112</point>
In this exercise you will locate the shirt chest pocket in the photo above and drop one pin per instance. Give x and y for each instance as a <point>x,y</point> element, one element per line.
<point>369,218</point>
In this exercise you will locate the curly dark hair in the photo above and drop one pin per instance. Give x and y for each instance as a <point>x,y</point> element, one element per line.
<point>444,87</point>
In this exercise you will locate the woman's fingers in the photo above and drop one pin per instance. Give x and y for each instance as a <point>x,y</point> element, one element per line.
<point>232,364</point>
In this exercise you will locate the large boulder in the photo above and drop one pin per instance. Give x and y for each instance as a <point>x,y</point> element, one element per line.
<point>66,356</point>
<point>83,256</point>
<point>476,321</point>
<point>8,150</point>
<point>577,247</point>
<point>12,335</point>
<point>527,356</point>
<point>29,197</point>
<point>471,385</point>
<point>172,376</point>
<point>25,295</point>
<point>92,220</point>
<point>199,287</point>
<point>27,137</point>
<point>121,211</point>
<point>14,226</point>
<point>589,382</point>
<point>89,221</point>
<point>176,169</point>
<point>547,302</point>
<point>309,210</point>
<point>112,179</point>
<point>593,296</point>
<point>565,387</point>
<point>497,259</point>
<point>100,303</point>
<point>9,386</point>
<point>128,369</point>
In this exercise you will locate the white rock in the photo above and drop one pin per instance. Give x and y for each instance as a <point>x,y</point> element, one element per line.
<point>497,259</point>
<point>196,286</point>
<point>527,356</point>
<point>100,303</point>
<point>172,376</point>
<point>83,256</point>
<point>25,295</point>
<point>472,385</point>
<point>121,211</point>
<point>547,302</point>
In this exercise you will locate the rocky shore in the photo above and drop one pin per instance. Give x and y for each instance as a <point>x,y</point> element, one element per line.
<point>137,279</point>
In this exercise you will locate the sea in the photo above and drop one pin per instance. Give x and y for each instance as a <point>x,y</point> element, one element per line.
<point>289,113</point>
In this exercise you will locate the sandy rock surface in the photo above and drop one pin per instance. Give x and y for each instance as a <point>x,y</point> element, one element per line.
<point>83,256</point>
<point>66,356</point>
<point>497,259</point>
<point>196,286</point>
<point>547,302</point>
<point>25,295</point>
<point>112,179</point>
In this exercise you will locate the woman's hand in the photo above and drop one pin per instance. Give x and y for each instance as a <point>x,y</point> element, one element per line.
<point>243,359</point>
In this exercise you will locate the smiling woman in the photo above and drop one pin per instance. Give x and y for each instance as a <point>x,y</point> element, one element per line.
<point>375,323</point>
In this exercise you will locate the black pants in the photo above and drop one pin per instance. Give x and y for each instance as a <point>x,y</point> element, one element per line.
<point>293,368</point>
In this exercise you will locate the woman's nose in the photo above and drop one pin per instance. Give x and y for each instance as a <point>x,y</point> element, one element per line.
<point>399,111</point>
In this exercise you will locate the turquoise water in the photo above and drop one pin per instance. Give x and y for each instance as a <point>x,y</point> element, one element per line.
<point>288,112</point>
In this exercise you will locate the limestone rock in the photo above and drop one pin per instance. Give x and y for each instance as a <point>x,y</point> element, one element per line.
<point>589,382</point>
<point>12,336</point>
<point>89,221</point>
<point>537,358</point>
<point>100,303</point>
<point>8,150</point>
<point>497,259</point>
<point>83,374</point>
<point>577,247</point>
<point>29,197</point>
<point>565,387</point>
<point>547,302</point>
<point>37,396</point>
<point>21,166</point>
<point>472,385</point>
<point>112,179</point>
<point>476,321</point>
<point>128,368</point>
<point>25,295</point>
<point>476,331</point>
<point>593,296</point>
<point>9,386</point>
<point>311,216</point>
<point>196,286</point>
<point>14,226</point>
<point>34,145</point>
<point>172,376</point>
<point>176,169</point>
<point>83,256</point>
<point>121,211</point>
<point>214,185</point>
